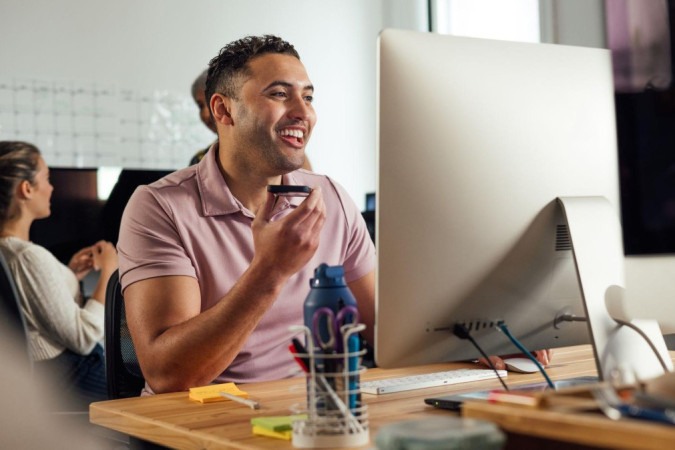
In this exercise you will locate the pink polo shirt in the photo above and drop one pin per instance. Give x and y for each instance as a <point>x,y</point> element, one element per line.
<point>189,223</point>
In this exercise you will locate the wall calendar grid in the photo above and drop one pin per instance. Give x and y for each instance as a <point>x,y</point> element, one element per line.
<point>84,124</point>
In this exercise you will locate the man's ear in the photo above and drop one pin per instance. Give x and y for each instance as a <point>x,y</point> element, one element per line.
<point>221,109</point>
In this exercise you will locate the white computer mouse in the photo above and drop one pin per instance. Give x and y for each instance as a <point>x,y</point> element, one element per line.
<point>521,365</point>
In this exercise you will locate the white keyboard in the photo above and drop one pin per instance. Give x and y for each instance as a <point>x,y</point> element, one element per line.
<point>427,380</point>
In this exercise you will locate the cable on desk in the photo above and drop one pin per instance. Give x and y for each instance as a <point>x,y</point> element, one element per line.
<point>504,329</point>
<point>462,332</point>
<point>573,318</point>
<point>646,338</point>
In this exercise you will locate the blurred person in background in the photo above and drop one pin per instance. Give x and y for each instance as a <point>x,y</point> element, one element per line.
<point>64,330</point>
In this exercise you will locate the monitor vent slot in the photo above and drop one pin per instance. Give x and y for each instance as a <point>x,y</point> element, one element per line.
<point>563,242</point>
<point>481,324</point>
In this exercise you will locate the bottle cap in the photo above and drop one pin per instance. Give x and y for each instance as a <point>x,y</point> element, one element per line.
<point>328,276</point>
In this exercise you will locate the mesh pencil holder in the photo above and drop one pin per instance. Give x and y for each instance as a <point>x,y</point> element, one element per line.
<point>336,417</point>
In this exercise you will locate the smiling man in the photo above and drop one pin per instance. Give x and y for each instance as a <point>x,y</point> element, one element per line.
<point>214,268</point>
<point>198,91</point>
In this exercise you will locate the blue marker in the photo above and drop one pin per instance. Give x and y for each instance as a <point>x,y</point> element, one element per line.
<point>353,347</point>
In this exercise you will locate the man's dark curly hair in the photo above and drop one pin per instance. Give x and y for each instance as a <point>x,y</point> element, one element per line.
<point>232,62</point>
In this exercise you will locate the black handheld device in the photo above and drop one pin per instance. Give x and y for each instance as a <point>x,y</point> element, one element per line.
<point>285,190</point>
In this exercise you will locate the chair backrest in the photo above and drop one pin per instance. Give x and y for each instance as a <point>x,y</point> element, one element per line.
<point>369,217</point>
<point>123,373</point>
<point>11,317</point>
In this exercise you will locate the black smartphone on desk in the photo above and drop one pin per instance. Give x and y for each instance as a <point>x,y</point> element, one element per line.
<point>454,402</point>
<point>288,190</point>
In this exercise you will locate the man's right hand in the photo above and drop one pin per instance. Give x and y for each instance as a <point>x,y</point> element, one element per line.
<point>287,244</point>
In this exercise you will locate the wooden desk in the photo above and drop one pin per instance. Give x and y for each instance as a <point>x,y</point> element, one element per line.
<point>572,431</point>
<point>175,421</point>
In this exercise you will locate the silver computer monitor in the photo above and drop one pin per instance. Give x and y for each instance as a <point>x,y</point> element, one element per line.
<point>477,139</point>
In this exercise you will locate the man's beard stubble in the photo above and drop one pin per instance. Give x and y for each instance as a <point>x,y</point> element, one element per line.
<point>261,146</point>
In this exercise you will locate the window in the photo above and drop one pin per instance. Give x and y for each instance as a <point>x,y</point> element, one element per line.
<point>513,20</point>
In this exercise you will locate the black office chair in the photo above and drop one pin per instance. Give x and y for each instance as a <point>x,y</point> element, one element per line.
<point>123,373</point>
<point>369,217</point>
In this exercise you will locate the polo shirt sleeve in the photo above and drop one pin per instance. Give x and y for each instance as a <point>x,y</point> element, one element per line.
<point>149,244</point>
<point>360,256</point>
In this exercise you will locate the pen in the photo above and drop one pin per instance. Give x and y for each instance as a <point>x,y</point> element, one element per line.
<point>244,401</point>
<point>300,354</point>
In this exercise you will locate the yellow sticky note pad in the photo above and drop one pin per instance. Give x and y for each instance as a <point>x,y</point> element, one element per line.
<point>211,393</point>
<point>262,431</point>
<point>277,423</point>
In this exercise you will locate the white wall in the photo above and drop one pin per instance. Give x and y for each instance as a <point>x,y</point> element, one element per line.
<point>161,45</point>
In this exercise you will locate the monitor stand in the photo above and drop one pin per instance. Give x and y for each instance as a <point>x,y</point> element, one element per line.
<point>620,352</point>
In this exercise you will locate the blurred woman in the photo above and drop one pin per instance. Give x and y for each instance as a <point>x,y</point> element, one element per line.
<point>64,330</point>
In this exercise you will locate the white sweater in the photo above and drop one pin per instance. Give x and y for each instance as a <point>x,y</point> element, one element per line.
<point>51,302</point>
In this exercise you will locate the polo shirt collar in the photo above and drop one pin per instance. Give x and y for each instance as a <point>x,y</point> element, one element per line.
<point>215,195</point>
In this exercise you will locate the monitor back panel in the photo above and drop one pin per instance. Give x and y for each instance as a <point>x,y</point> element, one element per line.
<point>477,138</point>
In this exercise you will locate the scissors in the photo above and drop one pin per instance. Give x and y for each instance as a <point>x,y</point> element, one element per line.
<point>328,328</point>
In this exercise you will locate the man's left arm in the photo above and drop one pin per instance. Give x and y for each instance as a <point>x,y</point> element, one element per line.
<point>364,291</point>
